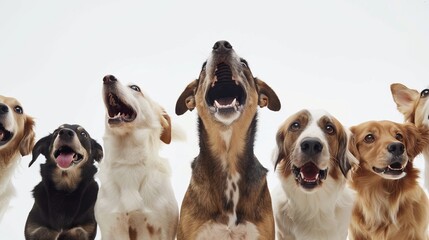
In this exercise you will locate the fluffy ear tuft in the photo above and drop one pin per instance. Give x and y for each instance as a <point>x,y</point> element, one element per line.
<point>41,147</point>
<point>186,100</point>
<point>405,99</point>
<point>27,142</point>
<point>166,127</point>
<point>267,96</point>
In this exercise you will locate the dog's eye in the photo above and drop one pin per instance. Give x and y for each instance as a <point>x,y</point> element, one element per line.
<point>84,134</point>
<point>204,65</point>
<point>329,129</point>
<point>19,110</point>
<point>369,138</point>
<point>135,88</point>
<point>295,126</point>
<point>399,137</point>
<point>244,63</point>
<point>424,93</point>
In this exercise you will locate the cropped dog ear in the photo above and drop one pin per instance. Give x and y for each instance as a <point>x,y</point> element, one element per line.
<point>405,99</point>
<point>97,150</point>
<point>186,100</point>
<point>166,128</point>
<point>279,153</point>
<point>267,97</point>
<point>346,160</point>
<point>41,147</point>
<point>27,142</point>
<point>417,139</point>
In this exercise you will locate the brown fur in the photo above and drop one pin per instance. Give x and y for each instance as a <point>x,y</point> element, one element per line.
<point>409,103</point>
<point>205,202</point>
<point>385,208</point>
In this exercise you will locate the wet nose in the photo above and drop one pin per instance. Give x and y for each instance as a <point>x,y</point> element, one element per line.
<point>222,46</point>
<point>397,149</point>
<point>3,109</point>
<point>311,147</point>
<point>66,134</point>
<point>109,79</point>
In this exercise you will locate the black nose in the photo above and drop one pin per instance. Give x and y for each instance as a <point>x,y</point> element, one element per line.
<point>109,79</point>
<point>222,46</point>
<point>311,146</point>
<point>3,109</point>
<point>66,134</point>
<point>397,149</point>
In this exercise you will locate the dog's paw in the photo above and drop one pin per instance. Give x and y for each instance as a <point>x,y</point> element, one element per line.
<point>73,234</point>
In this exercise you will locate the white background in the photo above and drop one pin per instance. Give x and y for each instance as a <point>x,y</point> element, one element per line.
<point>340,56</point>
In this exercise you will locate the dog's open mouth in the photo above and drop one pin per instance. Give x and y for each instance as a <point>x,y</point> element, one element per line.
<point>65,156</point>
<point>309,175</point>
<point>225,95</point>
<point>5,135</point>
<point>118,111</point>
<point>394,170</point>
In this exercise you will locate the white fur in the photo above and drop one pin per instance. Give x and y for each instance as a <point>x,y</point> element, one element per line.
<point>216,231</point>
<point>323,213</point>
<point>7,190</point>
<point>136,190</point>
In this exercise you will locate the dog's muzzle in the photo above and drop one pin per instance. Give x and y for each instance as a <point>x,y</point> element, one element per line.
<point>65,156</point>
<point>5,135</point>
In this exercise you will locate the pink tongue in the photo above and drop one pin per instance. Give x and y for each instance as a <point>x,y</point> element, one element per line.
<point>64,160</point>
<point>310,171</point>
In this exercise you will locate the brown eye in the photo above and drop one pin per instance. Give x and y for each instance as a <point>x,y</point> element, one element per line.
<point>295,126</point>
<point>18,109</point>
<point>399,137</point>
<point>369,138</point>
<point>424,93</point>
<point>329,129</point>
<point>84,134</point>
<point>244,63</point>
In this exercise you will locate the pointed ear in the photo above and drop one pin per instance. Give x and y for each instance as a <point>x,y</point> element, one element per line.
<point>279,154</point>
<point>346,160</point>
<point>166,128</point>
<point>267,97</point>
<point>404,98</point>
<point>27,142</point>
<point>186,100</point>
<point>41,147</point>
<point>97,150</point>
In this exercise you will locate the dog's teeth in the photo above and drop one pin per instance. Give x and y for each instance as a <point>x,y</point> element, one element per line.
<point>217,104</point>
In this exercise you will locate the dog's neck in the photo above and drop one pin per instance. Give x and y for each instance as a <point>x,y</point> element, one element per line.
<point>7,171</point>
<point>228,144</point>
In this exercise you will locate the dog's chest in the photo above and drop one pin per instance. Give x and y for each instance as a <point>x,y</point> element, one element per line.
<point>232,195</point>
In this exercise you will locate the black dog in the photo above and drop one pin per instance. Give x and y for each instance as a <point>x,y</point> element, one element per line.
<point>65,198</point>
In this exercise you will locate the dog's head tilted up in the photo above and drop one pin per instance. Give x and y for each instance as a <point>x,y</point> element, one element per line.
<point>226,89</point>
<point>64,200</point>
<point>70,152</point>
<point>16,130</point>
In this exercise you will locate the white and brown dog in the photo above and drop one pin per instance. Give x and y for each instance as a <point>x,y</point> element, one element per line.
<point>136,198</point>
<point>228,196</point>
<point>312,160</point>
<point>16,140</point>
<point>414,106</point>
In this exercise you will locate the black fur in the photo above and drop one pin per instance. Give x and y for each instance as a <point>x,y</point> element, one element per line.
<point>56,211</point>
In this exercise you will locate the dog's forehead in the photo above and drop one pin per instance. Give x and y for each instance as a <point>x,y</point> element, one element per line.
<point>74,127</point>
<point>10,101</point>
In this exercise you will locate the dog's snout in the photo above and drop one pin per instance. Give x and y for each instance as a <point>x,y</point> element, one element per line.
<point>311,146</point>
<point>222,46</point>
<point>66,134</point>
<point>3,109</point>
<point>396,149</point>
<point>109,79</point>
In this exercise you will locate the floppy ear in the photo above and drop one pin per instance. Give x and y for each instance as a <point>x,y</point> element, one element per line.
<point>27,142</point>
<point>345,157</point>
<point>352,144</point>
<point>405,99</point>
<point>279,154</point>
<point>97,150</point>
<point>416,139</point>
<point>267,97</point>
<point>41,147</point>
<point>166,128</point>
<point>186,100</point>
